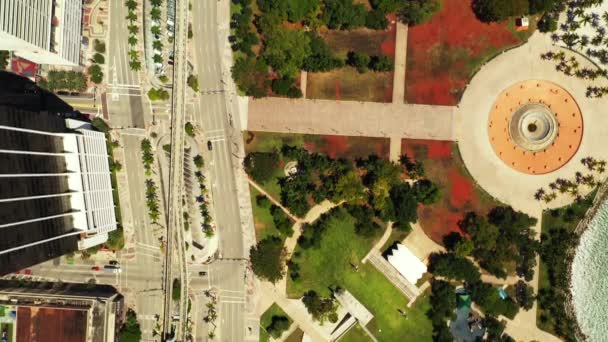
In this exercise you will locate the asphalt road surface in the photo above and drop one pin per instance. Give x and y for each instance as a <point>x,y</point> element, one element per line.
<point>123,93</point>
<point>212,116</point>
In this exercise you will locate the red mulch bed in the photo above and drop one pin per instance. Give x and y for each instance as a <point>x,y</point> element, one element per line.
<point>337,146</point>
<point>460,194</point>
<point>443,52</point>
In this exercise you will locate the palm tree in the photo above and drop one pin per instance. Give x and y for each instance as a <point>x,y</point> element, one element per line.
<point>133,54</point>
<point>133,29</point>
<point>131,17</point>
<point>155,30</point>
<point>155,13</point>
<point>539,194</point>
<point>132,40</point>
<point>156,3</point>
<point>131,4</point>
<point>135,65</point>
<point>157,44</point>
<point>157,58</point>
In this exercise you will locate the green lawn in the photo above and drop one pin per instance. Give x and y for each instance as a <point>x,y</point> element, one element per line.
<point>330,264</point>
<point>2,310</point>
<point>266,319</point>
<point>264,226</point>
<point>9,330</point>
<point>355,334</point>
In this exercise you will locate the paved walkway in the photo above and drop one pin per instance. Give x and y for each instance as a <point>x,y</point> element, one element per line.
<point>395,149</point>
<point>400,63</point>
<point>303,82</point>
<point>420,244</point>
<point>351,118</point>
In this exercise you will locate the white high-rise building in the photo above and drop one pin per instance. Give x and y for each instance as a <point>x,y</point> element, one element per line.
<point>42,31</point>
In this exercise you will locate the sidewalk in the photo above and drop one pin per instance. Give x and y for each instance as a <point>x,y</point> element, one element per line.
<point>400,63</point>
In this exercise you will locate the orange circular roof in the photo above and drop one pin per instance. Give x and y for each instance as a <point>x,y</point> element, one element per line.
<point>535,126</point>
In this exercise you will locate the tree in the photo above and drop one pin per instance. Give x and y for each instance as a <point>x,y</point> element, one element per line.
<point>286,50</point>
<point>131,16</point>
<point>404,203</point>
<point>268,259</point>
<point>98,58</point>
<point>4,56</point>
<point>135,65</point>
<point>277,325</point>
<point>416,12</point>
<point>99,46</point>
<point>133,30</point>
<point>443,305</point>
<point>343,14</point>
<point>131,5</point>
<point>451,266</point>
<point>358,60</point>
<point>189,128</point>
<point>376,20</point>
<point>95,74</point>
<point>190,33</point>
<point>539,6</point>
<point>364,216</point>
<point>524,295</point>
<point>159,94</point>
<point>285,86</point>
<point>494,328</point>
<point>246,72</point>
<point>483,234</point>
<point>176,289</point>
<point>260,165</point>
<point>157,45</point>
<point>157,58</point>
<point>199,162</point>
<point>155,30</point>
<point>426,192</point>
<point>321,58</point>
<point>281,221</point>
<point>387,6</point>
<point>193,82</point>
<point>130,330</point>
<point>320,308</point>
<point>498,10</point>
<point>380,63</point>
<point>155,13</point>
<point>349,188</point>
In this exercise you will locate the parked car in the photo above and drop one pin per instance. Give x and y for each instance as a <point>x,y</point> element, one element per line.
<point>27,271</point>
<point>111,269</point>
<point>209,145</point>
<point>202,273</point>
<point>95,268</point>
<point>113,262</point>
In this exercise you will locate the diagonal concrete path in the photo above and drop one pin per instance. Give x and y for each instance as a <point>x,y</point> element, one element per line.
<point>372,119</point>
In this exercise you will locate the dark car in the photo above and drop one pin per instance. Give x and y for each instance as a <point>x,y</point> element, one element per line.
<point>202,273</point>
<point>113,262</point>
<point>209,145</point>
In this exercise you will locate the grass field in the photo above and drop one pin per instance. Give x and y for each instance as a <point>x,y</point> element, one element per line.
<point>262,219</point>
<point>460,194</point>
<point>266,319</point>
<point>355,334</point>
<point>330,265</point>
<point>9,330</point>
<point>348,84</point>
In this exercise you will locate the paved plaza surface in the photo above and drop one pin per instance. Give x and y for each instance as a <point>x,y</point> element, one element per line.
<point>501,181</point>
<point>351,118</point>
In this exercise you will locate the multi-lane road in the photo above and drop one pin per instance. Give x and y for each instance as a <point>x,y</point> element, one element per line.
<point>211,113</point>
<point>123,84</point>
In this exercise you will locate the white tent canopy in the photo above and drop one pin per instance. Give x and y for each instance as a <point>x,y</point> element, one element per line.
<point>406,263</point>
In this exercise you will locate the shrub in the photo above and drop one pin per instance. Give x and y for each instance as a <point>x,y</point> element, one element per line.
<point>376,20</point>
<point>199,162</point>
<point>96,74</point>
<point>189,128</point>
<point>99,46</point>
<point>193,82</point>
<point>358,60</point>
<point>380,63</point>
<point>281,220</point>
<point>98,58</point>
<point>416,12</point>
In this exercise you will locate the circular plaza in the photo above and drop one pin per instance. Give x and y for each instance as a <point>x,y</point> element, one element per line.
<point>520,125</point>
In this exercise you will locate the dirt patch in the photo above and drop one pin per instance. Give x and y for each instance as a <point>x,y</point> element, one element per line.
<point>443,53</point>
<point>460,193</point>
<point>349,85</point>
